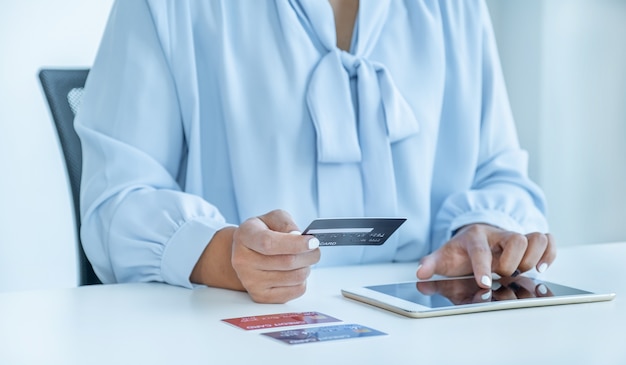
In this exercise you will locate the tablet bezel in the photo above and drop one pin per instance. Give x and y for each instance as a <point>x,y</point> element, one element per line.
<point>414,310</point>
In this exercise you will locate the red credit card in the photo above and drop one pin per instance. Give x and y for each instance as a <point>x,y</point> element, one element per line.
<point>279,320</point>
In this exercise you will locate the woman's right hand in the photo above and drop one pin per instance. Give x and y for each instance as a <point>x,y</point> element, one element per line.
<point>263,256</point>
<point>272,259</point>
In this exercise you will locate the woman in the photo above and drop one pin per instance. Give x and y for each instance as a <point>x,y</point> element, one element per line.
<point>200,117</point>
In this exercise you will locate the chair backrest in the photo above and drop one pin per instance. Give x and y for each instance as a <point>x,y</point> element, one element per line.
<point>63,89</point>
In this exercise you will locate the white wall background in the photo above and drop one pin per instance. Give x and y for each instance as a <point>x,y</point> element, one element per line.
<point>564,62</point>
<point>565,66</point>
<point>37,238</point>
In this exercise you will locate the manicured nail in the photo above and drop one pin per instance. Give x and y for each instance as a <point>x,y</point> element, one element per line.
<point>486,280</point>
<point>486,295</point>
<point>314,243</point>
<point>295,232</point>
<point>515,273</point>
<point>543,267</point>
<point>496,285</point>
<point>542,289</point>
<point>418,268</point>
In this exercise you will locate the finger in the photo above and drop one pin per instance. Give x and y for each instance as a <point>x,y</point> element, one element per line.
<point>278,286</point>
<point>480,257</point>
<point>279,294</point>
<point>537,244</point>
<point>255,235</point>
<point>290,278</point>
<point>276,243</point>
<point>549,254</point>
<point>513,249</point>
<point>263,284</point>
<point>285,262</point>
<point>279,220</point>
<point>273,278</point>
<point>426,268</point>
<point>449,260</point>
<point>244,258</point>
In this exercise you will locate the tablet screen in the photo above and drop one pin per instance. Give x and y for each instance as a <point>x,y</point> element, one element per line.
<point>463,291</point>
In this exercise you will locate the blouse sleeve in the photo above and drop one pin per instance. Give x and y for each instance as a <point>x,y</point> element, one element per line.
<point>137,224</point>
<point>501,193</point>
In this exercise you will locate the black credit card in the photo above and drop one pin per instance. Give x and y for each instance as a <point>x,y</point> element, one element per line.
<point>353,231</point>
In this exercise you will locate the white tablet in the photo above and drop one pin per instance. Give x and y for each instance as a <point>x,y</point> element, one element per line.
<point>448,296</point>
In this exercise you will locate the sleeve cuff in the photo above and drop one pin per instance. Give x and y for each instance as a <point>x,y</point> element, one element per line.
<point>184,249</point>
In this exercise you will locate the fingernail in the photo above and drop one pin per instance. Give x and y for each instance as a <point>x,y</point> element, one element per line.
<point>486,280</point>
<point>295,232</point>
<point>418,268</point>
<point>542,289</point>
<point>515,273</point>
<point>543,267</point>
<point>486,295</point>
<point>314,243</point>
<point>496,285</point>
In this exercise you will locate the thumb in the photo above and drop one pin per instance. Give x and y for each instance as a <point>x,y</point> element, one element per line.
<point>279,221</point>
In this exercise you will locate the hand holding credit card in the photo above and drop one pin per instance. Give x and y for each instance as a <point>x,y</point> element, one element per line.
<point>353,231</point>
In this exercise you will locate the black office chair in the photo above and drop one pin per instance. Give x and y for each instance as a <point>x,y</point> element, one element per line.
<point>63,90</point>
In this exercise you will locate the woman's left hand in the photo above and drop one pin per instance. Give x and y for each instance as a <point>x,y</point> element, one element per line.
<point>482,249</point>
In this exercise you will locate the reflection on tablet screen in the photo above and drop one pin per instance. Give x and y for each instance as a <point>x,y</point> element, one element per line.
<point>444,293</point>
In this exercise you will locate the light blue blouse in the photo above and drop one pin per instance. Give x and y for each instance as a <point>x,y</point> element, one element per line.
<point>200,114</point>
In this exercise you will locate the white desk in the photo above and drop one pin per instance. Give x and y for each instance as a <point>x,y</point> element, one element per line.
<point>160,324</point>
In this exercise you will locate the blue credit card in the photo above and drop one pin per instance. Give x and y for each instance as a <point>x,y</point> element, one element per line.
<point>321,334</point>
<point>353,231</point>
